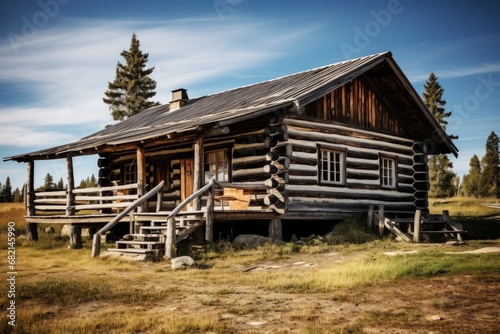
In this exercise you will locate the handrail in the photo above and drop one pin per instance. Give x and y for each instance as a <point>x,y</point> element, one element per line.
<point>96,245</point>
<point>170,241</point>
<point>198,193</point>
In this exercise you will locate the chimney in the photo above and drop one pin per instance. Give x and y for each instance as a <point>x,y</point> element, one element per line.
<point>179,98</point>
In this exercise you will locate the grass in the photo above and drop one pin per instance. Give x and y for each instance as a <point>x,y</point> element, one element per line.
<point>62,290</point>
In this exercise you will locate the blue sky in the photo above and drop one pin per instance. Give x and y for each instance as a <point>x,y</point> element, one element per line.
<point>56,57</point>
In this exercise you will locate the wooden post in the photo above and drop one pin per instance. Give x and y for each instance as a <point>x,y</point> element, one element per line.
<point>75,238</point>
<point>276,229</point>
<point>70,196</point>
<point>446,216</point>
<point>31,228</point>
<point>209,224</point>
<point>381,219</point>
<point>170,241</point>
<point>198,170</point>
<point>369,218</point>
<point>416,226</point>
<point>141,176</point>
<point>96,245</point>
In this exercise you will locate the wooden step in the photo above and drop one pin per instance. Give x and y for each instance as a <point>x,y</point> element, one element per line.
<point>133,250</point>
<point>148,244</point>
<point>442,232</point>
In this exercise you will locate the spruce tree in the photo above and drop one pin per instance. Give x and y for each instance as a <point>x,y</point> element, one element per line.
<point>132,88</point>
<point>7,191</point>
<point>490,178</point>
<point>441,175</point>
<point>48,182</point>
<point>470,184</point>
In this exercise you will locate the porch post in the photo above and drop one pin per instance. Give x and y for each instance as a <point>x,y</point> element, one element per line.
<point>141,176</point>
<point>198,170</point>
<point>70,199</point>
<point>31,228</point>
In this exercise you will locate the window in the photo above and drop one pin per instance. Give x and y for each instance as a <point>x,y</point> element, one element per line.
<point>217,165</point>
<point>332,166</point>
<point>130,173</point>
<point>388,168</point>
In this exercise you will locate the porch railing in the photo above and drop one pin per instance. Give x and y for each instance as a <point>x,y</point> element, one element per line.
<point>95,198</point>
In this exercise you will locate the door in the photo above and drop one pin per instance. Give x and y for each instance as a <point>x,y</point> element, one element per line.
<point>187,179</point>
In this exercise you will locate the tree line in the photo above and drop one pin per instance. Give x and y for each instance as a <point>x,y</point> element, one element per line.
<point>483,179</point>
<point>7,195</point>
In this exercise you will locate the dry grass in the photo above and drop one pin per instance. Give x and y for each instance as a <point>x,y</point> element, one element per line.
<point>350,288</point>
<point>464,206</point>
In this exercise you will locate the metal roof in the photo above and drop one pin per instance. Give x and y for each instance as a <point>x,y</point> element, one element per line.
<point>298,89</point>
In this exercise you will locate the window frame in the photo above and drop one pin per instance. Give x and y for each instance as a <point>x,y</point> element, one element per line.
<point>342,166</point>
<point>393,171</point>
<point>227,152</point>
<point>129,169</point>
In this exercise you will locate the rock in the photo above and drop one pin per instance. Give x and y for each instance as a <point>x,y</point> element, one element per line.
<point>435,317</point>
<point>182,262</point>
<point>50,230</point>
<point>66,231</point>
<point>309,238</point>
<point>250,240</point>
<point>400,253</point>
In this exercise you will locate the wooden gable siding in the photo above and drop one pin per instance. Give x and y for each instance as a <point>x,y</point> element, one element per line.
<point>355,103</point>
<point>363,186</point>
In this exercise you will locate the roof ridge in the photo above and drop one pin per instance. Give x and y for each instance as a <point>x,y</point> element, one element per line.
<point>305,71</point>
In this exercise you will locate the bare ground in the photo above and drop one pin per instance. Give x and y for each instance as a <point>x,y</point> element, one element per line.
<point>451,304</point>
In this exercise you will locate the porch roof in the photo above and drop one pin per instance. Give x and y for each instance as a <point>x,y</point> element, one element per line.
<point>237,104</point>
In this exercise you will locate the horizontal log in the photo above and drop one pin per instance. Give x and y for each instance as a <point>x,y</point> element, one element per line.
<point>302,170</point>
<point>377,146</point>
<point>50,193</point>
<point>51,200</point>
<point>98,189</point>
<point>51,207</point>
<point>249,162</point>
<point>345,130</point>
<point>102,206</point>
<point>107,198</point>
<point>250,149</point>
<point>323,191</point>
<point>250,174</point>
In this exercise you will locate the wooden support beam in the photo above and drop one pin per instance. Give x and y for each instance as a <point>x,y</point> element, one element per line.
<point>170,242</point>
<point>276,229</point>
<point>381,218</point>
<point>75,237</point>
<point>209,224</point>
<point>31,228</point>
<point>70,196</point>
<point>198,169</point>
<point>369,218</point>
<point>416,226</point>
<point>30,188</point>
<point>141,176</point>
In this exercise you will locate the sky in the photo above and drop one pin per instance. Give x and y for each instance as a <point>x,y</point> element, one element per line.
<point>57,56</point>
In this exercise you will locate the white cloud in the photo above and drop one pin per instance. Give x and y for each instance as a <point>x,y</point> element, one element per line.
<point>66,69</point>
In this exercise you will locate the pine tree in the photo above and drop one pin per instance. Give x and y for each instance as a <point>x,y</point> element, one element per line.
<point>470,184</point>
<point>48,182</point>
<point>441,175</point>
<point>60,184</point>
<point>7,191</point>
<point>132,88</point>
<point>490,178</point>
<point>17,196</point>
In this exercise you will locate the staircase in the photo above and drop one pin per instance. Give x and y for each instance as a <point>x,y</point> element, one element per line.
<point>409,226</point>
<point>431,225</point>
<point>157,233</point>
<point>151,236</point>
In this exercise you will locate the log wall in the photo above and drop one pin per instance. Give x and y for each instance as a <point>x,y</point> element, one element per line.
<point>363,149</point>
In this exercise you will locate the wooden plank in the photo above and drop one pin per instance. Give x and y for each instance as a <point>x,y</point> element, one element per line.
<point>70,197</point>
<point>99,189</point>
<point>51,193</point>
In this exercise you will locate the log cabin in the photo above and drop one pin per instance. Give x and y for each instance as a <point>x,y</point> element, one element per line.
<point>301,150</point>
